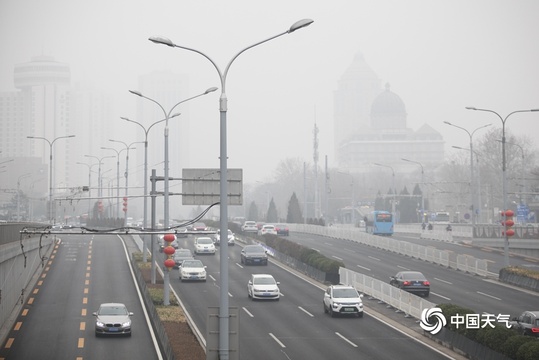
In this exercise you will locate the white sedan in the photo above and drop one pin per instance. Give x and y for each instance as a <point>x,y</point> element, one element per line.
<point>193,270</point>
<point>268,229</point>
<point>204,245</point>
<point>263,286</point>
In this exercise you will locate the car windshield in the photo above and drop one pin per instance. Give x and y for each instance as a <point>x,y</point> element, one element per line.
<point>181,253</point>
<point>345,293</point>
<point>264,281</point>
<point>112,310</point>
<point>413,276</point>
<point>254,249</point>
<point>192,264</point>
<point>204,241</point>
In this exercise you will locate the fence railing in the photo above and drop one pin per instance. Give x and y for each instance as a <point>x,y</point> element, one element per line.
<point>445,258</point>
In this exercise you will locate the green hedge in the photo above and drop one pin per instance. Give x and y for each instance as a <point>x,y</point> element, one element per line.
<point>498,338</point>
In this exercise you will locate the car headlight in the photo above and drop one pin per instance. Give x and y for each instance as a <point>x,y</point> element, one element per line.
<point>99,323</point>
<point>126,324</point>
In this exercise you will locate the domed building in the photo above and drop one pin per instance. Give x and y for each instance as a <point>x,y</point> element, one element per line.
<point>385,137</point>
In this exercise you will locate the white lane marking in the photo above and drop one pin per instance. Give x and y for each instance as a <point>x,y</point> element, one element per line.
<point>277,340</point>
<point>363,267</point>
<point>443,297</point>
<point>372,257</point>
<point>305,311</point>
<point>211,277</point>
<point>336,257</point>
<point>402,267</point>
<point>490,296</point>
<point>345,339</point>
<point>247,311</point>
<point>444,281</point>
<point>239,265</point>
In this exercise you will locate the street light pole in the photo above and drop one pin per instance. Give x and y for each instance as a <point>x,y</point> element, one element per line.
<point>51,143</point>
<point>167,117</point>
<point>523,197</point>
<point>223,306</point>
<point>145,217</point>
<point>19,194</point>
<point>127,147</point>
<point>478,176</point>
<point>472,187</point>
<point>117,178</point>
<point>89,184</point>
<point>99,182</point>
<point>422,190</point>
<point>353,213</point>
<point>504,172</point>
<point>394,190</point>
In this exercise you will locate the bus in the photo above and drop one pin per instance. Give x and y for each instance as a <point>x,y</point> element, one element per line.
<point>379,223</point>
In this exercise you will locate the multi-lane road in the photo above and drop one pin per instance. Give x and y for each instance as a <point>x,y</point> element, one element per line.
<point>57,322</point>
<point>86,270</point>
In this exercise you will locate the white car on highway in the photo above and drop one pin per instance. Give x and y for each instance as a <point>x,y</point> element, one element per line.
<point>204,245</point>
<point>193,270</point>
<point>263,286</point>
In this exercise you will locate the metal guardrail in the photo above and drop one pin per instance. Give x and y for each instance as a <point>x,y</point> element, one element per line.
<point>410,304</point>
<point>448,259</point>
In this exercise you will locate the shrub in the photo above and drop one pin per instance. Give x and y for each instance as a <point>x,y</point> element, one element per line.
<point>513,343</point>
<point>528,351</point>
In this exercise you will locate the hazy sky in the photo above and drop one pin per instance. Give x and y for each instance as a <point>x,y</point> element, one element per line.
<point>438,56</point>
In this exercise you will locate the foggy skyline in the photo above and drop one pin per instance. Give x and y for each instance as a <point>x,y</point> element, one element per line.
<point>439,57</point>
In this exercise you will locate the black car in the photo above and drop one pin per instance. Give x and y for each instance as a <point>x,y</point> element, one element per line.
<point>411,281</point>
<point>282,229</point>
<point>254,254</point>
<point>527,323</point>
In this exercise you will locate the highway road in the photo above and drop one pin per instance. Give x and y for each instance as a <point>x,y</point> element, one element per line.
<point>295,327</point>
<point>482,295</point>
<point>57,322</point>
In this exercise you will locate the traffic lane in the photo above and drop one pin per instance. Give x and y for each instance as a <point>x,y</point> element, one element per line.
<point>56,301</point>
<point>495,257</point>
<point>57,321</point>
<point>110,280</point>
<point>299,327</point>
<point>447,285</point>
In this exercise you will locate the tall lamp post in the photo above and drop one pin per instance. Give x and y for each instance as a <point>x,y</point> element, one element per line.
<point>504,172</point>
<point>422,189</point>
<point>393,186</point>
<point>127,147</point>
<point>223,305</point>
<point>167,117</point>
<point>523,197</point>
<point>90,166</point>
<point>99,182</point>
<point>117,177</point>
<point>472,187</point>
<point>480,207</point>
<point>145,216</point>
<point>353,213</point>
<point>51,143</point>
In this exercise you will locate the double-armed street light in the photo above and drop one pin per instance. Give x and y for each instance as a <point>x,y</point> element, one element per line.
<point>504,173</point>
<point>480,207</point>
<point>472,187</point>
<point>51,143</point>
<point>422,189</point>
<point>167,117</point>
<point>99,161</point>
<point>127,147</point>
<point>145,216</point>
<point>393,186</point>
<point>223,226</point>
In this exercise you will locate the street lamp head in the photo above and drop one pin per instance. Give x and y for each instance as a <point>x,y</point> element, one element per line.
<point>534,110</point>
<point>298,25</point>
<point>138,93</point>
<point>174,115</point>
<point>447,122</point>
<point>212,89</point>
<point>161,40</point>
<point>470,108</point>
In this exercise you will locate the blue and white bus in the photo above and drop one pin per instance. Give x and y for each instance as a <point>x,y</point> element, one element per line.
<point>379,223</point>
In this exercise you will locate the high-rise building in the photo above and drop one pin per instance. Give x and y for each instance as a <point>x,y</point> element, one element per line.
<point>45,105</point>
